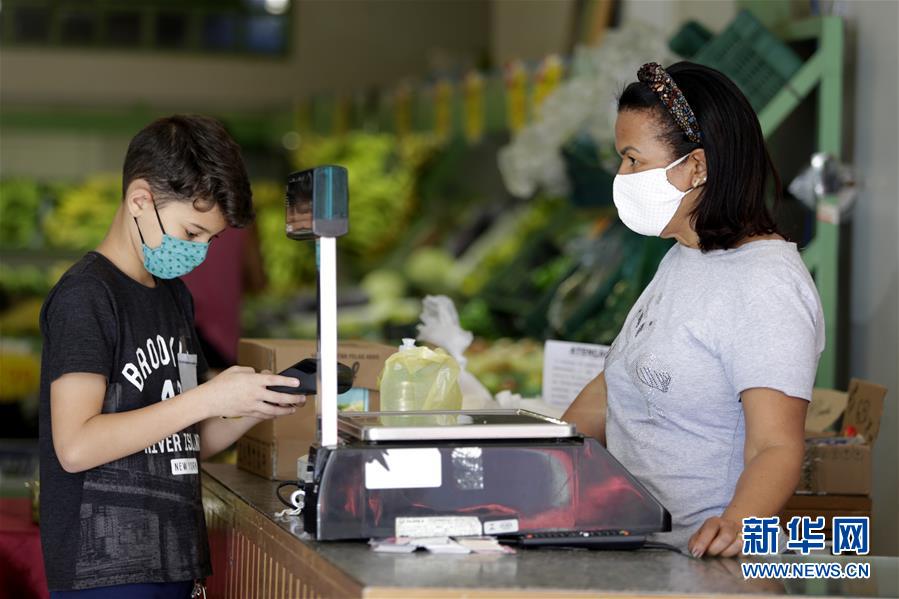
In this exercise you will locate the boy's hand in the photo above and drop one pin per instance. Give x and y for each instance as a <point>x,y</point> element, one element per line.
<point>241,391</point>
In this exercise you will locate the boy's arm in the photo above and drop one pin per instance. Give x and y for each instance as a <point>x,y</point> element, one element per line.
<point>217,434</point>
<point>83,438</point>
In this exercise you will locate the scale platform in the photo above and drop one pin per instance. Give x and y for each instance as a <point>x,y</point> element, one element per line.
<point>450,426</point>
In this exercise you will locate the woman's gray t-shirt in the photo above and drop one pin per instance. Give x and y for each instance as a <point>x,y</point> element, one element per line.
<point>708,327</point>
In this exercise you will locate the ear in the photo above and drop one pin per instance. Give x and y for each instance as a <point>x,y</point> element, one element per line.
<point>138,197</point>
<point>698,171</point>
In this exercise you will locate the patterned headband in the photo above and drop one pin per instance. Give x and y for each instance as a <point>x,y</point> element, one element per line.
<point>672,97</point>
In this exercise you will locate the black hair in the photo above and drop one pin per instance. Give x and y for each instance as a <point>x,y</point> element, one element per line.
<point>733,202</point>
<point>191,158</point>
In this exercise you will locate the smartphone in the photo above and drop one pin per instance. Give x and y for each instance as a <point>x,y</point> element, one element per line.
<point>305,371</point>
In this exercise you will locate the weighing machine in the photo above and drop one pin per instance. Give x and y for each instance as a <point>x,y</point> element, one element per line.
<point>500,472</point>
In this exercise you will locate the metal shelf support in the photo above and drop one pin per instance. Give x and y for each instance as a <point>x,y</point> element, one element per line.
<point>824,70</point>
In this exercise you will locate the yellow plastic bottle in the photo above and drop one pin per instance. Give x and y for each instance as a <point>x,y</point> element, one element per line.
<point>420,378</point>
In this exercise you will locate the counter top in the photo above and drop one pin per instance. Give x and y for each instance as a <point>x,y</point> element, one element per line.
<point>551,572</point>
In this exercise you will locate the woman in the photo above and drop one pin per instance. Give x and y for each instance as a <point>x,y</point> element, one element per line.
<point>705,390</point>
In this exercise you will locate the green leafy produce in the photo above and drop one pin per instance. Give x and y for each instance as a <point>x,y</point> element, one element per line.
<point>288,264</point>
<point>506,364</point>
<point>382,174</point>
<point>22,319</point>
<point>19,207</point>
<point>83,213</point>
<point>503,247</point>
<point>430,269</point>
<point>30,280</point>
<point>20,375</point>
<point>384,285</point>
<point>475,316</point>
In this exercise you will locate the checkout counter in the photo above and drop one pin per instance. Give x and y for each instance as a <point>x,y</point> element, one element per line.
<point>258,556</point>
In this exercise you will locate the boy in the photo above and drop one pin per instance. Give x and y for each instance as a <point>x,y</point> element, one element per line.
<point>123,423</point>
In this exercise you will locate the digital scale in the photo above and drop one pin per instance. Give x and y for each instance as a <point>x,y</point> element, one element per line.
<point>447,473</point>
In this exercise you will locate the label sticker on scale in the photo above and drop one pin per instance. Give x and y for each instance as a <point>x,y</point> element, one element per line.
<point>438,526</point>
<point>501,527</point>
<point>405,469</point>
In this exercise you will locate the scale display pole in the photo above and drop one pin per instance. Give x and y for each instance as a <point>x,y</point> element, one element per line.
<point>327,339</point>
<point>317,208</point>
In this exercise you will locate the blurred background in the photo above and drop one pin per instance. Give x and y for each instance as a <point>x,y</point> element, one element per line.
<point>478,138</point>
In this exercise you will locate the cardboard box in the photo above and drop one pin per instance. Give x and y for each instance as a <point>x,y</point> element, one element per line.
<point>832,465</point>
<point>271,448</point>
<point>827,506</point>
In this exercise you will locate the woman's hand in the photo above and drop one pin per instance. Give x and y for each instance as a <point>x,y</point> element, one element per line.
<point>241,391</point>
<point>718,536</point>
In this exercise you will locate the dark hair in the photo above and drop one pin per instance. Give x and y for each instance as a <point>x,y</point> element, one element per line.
<point>732,204</point>
<point>191,158</point>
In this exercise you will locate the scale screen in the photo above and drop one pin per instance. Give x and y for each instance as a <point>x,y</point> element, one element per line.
<point>449,425</point>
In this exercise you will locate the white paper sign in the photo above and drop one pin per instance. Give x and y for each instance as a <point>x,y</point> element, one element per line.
<point>568,367</point>
<point>405,469</point>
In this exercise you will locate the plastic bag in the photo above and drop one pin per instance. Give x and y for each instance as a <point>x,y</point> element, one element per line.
<point>440,326</point>
<point>420,378</point>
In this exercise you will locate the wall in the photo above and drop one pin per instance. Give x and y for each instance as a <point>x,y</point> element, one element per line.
<point>337,46</point>
<point>530,30</point>
<point>343,46</point>
<point>874,307</point>
<point>668,16</point>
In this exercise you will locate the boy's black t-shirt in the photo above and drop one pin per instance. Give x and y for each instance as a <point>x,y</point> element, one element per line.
<point>140,518</point>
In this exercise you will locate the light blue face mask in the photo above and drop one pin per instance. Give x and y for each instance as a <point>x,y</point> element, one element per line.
<point>174,257</point>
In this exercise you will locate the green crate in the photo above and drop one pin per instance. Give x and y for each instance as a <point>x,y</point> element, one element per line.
<point>690,39</point>
<point>757,61</point>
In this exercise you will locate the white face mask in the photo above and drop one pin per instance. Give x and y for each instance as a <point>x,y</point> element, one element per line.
<point>647,200</point>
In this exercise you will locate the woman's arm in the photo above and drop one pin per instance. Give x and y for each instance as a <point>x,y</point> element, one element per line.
<point>588,411</point>
<point>772,454</point>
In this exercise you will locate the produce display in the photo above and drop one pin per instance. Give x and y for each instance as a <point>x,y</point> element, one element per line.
<point>44,227</point>
<point>382,171</point>
<point>288,265</point>
<point>22,319</point>
<point>82,213</point>
<point>20,202</point>
<point>508,365</point>
<point>20,375</point>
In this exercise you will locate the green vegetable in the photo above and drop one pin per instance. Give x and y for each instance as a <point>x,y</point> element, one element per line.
<point>288,264</point>
<point>382,173</point>
<point>514,365</point>
<point>431,271</point>
<point>19,212</point>
<point>383,285</point>
<point>83,213</point>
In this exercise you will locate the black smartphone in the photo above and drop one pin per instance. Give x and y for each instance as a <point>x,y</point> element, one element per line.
<point>305,371</point>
